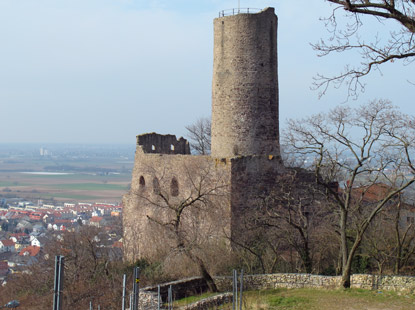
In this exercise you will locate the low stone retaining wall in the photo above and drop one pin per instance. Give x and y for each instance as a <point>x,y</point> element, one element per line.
<point>210,302</point>
<point>388,283</point>
<point>298,280</point>
<point>194,286</point>
<point>147,300</point>
<point>181,288</point>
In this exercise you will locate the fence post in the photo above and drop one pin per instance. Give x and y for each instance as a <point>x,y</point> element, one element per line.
<point>158,297</point>
<point>170,298</point>
<point>58,285</point>
<point>124,282</point>
<point>241,281</point>
<point>235,290</point>
<point>136,287</point>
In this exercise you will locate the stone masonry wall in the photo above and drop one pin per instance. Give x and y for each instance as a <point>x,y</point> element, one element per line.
<point>162,144</point>
<point>245,85</point>
<point>240,181</point>
<point>253,177</point>
<point>177,178</point>
<point>294,280</point>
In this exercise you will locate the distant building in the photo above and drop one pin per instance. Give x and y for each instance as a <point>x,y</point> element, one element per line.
<point>7,245</point>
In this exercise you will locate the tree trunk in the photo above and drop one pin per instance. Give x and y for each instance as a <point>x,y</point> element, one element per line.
<point>209,280</point>
<point>308,263</point>
<point>203,271</point>
<point>346,274</point>
<point>306,258</point>
<point>343,236</point>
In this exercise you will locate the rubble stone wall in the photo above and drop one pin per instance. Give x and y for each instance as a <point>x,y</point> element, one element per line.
<point>162,144</point>
<point>176,177</point>
<point>296,280</point>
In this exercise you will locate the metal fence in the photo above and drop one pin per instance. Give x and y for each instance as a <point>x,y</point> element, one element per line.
<point>237,11</point>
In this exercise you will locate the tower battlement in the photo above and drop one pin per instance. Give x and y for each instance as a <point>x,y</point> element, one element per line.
<point>236,11</point>
<point>162,144</point>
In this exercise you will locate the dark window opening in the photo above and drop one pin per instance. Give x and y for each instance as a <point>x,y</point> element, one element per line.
<point>174,187</point>
<point>142,182</point>
<point>156,186</point>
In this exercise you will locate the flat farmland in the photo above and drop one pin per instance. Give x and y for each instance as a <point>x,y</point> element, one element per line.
<point>66,187</point>
<point>65,180</point>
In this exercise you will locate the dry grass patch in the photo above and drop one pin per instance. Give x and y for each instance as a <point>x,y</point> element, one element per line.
<point>313,299</point>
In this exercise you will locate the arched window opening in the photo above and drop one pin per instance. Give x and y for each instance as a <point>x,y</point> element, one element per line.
<point>153,147</point>
<point>142,182</point>
<point>174,187</point>
<point>156,186</point>
<point>172,147</point>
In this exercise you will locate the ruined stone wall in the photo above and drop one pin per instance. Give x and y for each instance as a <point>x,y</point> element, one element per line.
<point>245,146</point>
<point>245,85</point>
<point>237,183</point>
<point>178,177</point>
<point>162,144</point>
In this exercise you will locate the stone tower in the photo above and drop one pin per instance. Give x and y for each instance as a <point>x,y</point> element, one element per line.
<point>245,85</point>
<point>245,164</point>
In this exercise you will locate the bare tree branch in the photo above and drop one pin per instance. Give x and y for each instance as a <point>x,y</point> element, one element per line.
<point>384,48</point>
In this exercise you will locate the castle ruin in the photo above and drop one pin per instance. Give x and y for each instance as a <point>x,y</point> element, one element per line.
<point>245,161</point>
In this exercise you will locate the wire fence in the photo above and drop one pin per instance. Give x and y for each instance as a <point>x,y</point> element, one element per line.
<point>162,296</point>
<point>237,11</point>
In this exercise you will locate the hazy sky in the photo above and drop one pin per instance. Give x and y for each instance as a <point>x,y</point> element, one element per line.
<point>103,71</point>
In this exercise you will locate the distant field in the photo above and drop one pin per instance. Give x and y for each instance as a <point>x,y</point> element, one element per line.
<point>71,187</point>
<point>91,186</point>
<point>5,184</point>
<point>74,197</point>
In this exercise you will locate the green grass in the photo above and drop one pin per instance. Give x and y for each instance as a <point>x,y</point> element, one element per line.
<point>192,299</point>
<point>9,183</point>
<point>314,299</point>
<point>285,302</point>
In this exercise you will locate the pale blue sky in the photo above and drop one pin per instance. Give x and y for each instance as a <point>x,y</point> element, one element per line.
<point>103,71</point>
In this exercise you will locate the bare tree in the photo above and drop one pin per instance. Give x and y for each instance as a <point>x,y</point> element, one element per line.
<point>391,239</point>
<point>357,149</point>
<point>285,226</point>
<point>296,208</point>
<point>396,45</point>
<point>256,248</point>
<point>190,220</point>
<point>91,273</point>
<point>199,134</point>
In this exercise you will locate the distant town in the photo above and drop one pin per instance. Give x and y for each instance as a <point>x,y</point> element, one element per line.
<point>26,227</point>
<point>34,181</point>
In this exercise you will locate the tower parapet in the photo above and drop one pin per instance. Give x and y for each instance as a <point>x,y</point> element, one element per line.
<point>235,11</point>
<point>245,85</point>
